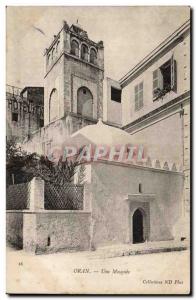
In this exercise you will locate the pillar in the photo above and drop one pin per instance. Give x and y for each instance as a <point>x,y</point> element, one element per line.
<point>36,194</point>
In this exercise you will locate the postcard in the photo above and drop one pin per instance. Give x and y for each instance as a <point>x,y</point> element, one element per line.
<point>98,150</point>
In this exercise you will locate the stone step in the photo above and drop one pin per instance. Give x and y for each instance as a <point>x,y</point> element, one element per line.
<point>109,252</point>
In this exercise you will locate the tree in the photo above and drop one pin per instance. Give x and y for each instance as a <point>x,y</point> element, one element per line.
<point>22,166</point>
<point>56,173</point>
<point>18,162</point>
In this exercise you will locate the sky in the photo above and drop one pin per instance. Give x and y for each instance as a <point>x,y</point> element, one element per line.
<point>128,33</point>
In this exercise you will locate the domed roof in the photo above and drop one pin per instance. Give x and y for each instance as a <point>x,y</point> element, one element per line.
<point>101,134</point>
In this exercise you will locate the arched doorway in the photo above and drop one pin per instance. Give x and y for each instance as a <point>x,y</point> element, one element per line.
<point>138,226</point>
<point>74,48</point>
<point>84,52</point>
<point>53,106</point>
<point>93,56</point>
<point>84,102</point>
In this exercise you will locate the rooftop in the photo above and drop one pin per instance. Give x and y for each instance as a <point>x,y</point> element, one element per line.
<point>77,30</point>
<point>101,134</point>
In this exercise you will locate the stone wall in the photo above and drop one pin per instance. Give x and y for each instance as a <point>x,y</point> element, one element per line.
<point>52,231</point>
<point>54,80</point>
<point>38,230</point>
<point>29,116</point>
<point>186,154</point>
<point>66,73</point>
<point>186,164</point>
<point>55,134</point>
<point>14,228</point>
<point>112,184</point>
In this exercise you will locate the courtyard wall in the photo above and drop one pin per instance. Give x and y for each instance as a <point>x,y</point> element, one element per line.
<point>52,231</point>
<point>38,230</point>
<point>14,228</point>
<point>112,192</point>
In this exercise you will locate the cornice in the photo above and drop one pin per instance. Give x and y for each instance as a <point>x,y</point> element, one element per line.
<point>66,28</point>
<point>137,166</point>
<point>174,38</point>
<point>154,112</point>
<point>75,58</point>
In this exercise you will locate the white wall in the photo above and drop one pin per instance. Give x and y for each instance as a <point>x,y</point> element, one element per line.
<point>114,109</point>
<point>108,192</point>
<point>164,139</point>
<point>181,54</point>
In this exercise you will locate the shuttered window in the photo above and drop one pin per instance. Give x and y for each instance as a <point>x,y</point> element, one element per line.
<point>164,79</point>
<point>157,81</point>
<point>139,96</point>
<point>173,74</point>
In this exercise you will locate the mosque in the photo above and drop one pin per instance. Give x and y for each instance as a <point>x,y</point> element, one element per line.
<point>124,202</point>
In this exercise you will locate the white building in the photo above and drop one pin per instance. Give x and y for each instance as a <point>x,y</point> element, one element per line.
<point>152,104</point>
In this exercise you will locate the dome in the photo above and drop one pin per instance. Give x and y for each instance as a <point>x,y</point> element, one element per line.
<point>100,134</point>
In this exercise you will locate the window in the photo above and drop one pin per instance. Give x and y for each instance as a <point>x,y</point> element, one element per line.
<point>15,117</point>
<point>140,188</point>
<point>139,96</point>
<point>84,102</point>
<point>115,94</point>
<point>164,79</point>
<point>53,106</point>
<point>41,123</point>
<point>75,48</point>
<point>93,56</point>
<point>84,52</point>
<point>48,241</point>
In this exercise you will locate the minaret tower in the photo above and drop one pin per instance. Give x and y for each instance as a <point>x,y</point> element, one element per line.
<point>74,70</point>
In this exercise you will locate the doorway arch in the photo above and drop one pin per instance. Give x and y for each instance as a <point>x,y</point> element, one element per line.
<point>53,106</point>
<point>84,102</point>
<point>138,223</point>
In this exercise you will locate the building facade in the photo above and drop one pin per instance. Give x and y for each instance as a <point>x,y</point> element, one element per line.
<point>24,111</point>
<point>155,103</point>
<point>156,98</point>
<point>73,85</point>
<point>123,202</point>
<point>73,75</point>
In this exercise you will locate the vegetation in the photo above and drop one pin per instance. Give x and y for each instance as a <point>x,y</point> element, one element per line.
<point>22,167</point>
<point>160,93</point>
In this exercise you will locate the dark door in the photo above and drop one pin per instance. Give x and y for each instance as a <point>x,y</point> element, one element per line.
<point>138,236</point>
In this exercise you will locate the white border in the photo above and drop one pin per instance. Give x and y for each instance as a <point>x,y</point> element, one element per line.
<point>3,4</point>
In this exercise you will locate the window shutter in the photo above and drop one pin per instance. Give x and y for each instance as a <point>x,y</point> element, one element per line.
<point>138,96</point>
<point>136,101</point>
<point>141,95</point>
<point>173,74</point>
<point>157,81</point>
<point>160,79</point>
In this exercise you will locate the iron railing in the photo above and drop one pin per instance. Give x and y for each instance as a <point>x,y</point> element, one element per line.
<point>18,196</point>
<point>66,197</point>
